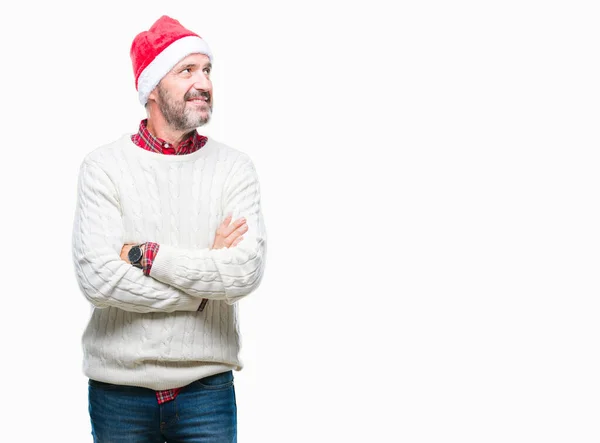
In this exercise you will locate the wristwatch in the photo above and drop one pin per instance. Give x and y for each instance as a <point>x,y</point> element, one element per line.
<point>135,255</point>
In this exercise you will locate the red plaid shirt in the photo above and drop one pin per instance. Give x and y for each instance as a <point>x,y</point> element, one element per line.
<point>147,141</point>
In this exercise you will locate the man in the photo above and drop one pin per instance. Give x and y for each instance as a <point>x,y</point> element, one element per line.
<point>168,236</point>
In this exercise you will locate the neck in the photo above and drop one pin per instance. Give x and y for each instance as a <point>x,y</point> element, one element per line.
<point>163,131</point>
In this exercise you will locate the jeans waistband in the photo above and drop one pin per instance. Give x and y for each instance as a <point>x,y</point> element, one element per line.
<point>210,381</point>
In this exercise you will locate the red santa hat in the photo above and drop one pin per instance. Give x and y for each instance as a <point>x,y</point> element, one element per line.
<point>156,51</point>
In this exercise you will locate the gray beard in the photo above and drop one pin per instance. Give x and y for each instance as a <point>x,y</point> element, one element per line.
<point>177,116</point>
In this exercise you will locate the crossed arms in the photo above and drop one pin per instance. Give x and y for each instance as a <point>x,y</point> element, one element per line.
<point>180,278</point>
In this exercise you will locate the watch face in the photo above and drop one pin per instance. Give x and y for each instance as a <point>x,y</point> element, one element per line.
<point>135,254</point>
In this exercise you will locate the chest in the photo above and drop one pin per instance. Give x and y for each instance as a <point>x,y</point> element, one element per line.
<point>180,203</point>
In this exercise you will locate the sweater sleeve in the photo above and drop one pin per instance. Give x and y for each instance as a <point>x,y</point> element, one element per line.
<point>222,274</point>
<point>104,279</point>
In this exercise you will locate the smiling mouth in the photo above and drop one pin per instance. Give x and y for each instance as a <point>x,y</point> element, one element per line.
<point>198,101</point>
<point>202,97</point>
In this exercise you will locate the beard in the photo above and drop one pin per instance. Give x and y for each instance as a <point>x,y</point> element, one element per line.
<point>180,117</point>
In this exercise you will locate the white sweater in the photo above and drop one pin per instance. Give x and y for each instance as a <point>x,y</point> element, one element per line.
<point>145,330</point>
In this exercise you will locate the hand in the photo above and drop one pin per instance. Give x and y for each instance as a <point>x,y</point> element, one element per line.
<point>228,235</point>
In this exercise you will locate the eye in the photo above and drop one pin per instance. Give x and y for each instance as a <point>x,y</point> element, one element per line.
<point>206,71</point>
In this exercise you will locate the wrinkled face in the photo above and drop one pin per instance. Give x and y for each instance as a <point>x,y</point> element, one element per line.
<point>184,95</point>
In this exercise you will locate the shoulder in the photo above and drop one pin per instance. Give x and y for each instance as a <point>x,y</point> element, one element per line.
<point>228,154</point>
<point>237,164</point>
<point>105,155</point>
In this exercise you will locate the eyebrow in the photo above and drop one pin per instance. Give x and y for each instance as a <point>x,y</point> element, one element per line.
<point>192,65</point>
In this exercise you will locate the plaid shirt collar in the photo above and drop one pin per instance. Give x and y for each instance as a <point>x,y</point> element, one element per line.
<point>147,141</point>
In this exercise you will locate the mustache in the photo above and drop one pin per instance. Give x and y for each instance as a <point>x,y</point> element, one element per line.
<point>197,94</point>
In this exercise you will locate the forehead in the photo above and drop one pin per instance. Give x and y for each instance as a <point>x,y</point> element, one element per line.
<point>194,59</point>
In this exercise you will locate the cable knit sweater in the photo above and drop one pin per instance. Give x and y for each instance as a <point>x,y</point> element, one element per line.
<point>145,330</point>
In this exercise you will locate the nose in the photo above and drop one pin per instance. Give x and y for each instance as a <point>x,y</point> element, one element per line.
<point>202,82</point>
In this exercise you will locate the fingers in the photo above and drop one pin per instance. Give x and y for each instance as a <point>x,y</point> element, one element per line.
<point>226,230</point>
<point>229,235</point>
<point>237,233</point>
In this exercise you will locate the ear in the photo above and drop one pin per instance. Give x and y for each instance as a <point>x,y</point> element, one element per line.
<point>153,95</point>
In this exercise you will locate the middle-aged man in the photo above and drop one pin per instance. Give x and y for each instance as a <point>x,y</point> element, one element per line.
<point>168,236</point>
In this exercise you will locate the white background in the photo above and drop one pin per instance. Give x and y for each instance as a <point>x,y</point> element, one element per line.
<point>430,189</point>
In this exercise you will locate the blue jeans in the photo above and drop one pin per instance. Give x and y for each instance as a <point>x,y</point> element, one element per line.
<point>203,412</point>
